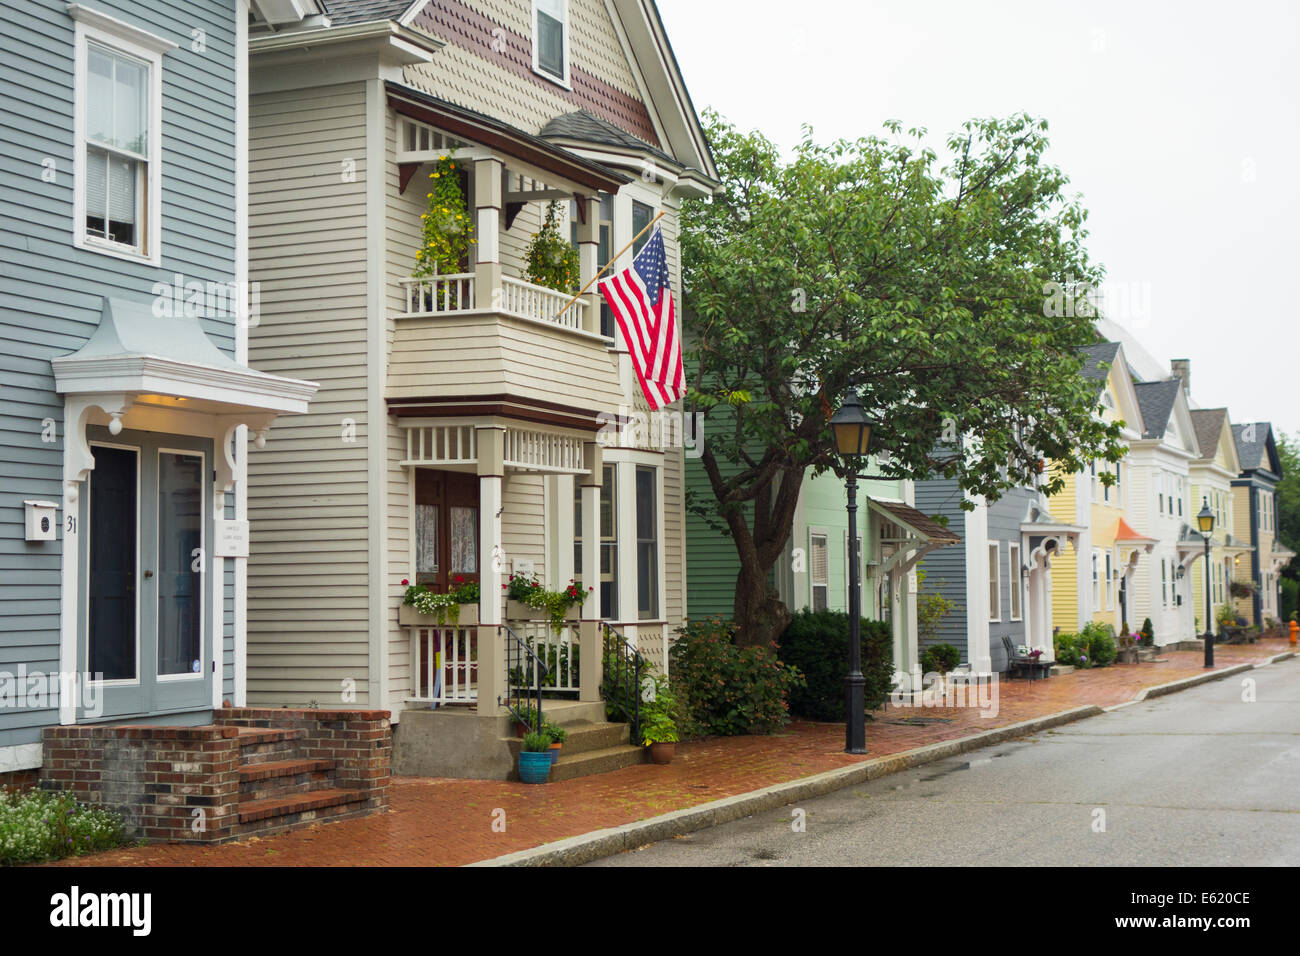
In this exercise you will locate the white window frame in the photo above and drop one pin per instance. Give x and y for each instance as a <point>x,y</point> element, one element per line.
<point>825,583</point>
<point>121,37</point>
<point>565,26</point>
<point>1014,595</point>
<point>1110,582</point>
<point>995,582</point>
<point>1096,580</point>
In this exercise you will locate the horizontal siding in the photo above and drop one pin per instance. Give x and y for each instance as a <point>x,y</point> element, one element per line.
<point>308,628</point>
<point>945,568</point>
<point>51,293</point>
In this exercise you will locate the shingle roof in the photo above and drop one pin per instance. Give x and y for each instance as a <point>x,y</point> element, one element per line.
<point>589,128</point>
<point>1208,423</point>
<point>1156,400</point>
<point>1252,454</point>
<point>918,522</point>
<point>343,12</point>
<point>1094,356</point>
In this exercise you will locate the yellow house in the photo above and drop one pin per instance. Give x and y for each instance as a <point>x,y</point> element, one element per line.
<point>1108,547</point>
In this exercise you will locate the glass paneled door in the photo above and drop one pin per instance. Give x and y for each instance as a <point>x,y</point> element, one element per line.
<point>146,607</point>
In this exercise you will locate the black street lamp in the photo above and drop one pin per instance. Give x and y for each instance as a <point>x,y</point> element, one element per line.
<point>1205,524</point>
<point>852,430</point>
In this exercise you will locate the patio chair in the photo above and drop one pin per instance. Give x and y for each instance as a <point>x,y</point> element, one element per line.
<point>1015,663</point>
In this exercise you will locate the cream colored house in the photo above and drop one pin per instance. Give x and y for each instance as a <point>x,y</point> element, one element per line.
<point>469,424</point>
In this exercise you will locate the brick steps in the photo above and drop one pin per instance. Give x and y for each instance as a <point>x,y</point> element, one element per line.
<point>251,811</point>
<point>281,778</point>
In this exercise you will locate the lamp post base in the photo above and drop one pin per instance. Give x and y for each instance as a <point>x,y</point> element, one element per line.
<point>855,734</point>
<point>1208,640</point>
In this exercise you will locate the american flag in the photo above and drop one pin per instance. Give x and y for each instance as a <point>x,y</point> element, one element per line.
<point>642,302</point>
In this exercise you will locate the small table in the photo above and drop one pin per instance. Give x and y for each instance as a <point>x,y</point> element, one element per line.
<point>1034,665</point>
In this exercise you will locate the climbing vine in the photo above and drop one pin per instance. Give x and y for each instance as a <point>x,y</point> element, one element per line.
<point>448,230</point>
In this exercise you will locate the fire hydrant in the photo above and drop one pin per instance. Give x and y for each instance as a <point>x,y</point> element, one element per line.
<point>1295,628</point>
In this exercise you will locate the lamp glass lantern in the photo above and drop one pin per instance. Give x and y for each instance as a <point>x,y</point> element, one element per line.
<point>1205,520</point>
<point>852,427</point>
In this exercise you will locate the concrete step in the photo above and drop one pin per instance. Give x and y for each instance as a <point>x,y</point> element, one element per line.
<point>565,712</point>
<point>584,737</point>
<point>597,761</point>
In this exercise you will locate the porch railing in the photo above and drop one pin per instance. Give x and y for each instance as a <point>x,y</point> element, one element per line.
<point>622,671</point>
<point>525,673</point>
<point>457,292</point>
<point>440,295</point>
<point>444,665</point>
<point>559,652</point>
<point>536,302</point>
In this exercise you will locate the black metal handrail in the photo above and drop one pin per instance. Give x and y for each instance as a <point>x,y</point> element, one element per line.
<point>620,686</point>
<point>518,691</point>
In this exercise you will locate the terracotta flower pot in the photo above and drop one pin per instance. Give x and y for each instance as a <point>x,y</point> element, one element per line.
<point>555,754</point>
<point>662,753</point>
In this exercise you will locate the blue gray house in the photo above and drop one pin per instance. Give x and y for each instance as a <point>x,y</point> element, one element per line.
<point>128,402</point>
<point>998,579</point>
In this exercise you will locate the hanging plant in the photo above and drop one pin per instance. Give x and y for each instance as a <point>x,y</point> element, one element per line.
<point>552,261</point>
<point>448,230</point>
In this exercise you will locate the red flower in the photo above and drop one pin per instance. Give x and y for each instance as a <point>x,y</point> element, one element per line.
<point>405,582</point>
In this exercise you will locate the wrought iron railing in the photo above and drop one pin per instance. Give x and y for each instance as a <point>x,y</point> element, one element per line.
<point>623,668</point>
<point>525,675</point>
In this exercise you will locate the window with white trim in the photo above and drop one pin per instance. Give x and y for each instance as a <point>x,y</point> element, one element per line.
<point>1164,584</point>
<point>1110,584</point>
<point>1013,578</point>
<point>1096,580</point>
<point>551,39</point>
<point>818,571</point>
<point>995,584</point>
<point>118,115</point>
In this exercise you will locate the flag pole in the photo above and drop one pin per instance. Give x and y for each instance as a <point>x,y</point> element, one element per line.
<point>612,259</point>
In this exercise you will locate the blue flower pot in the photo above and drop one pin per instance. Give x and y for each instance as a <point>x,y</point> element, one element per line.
<point>534,768</point>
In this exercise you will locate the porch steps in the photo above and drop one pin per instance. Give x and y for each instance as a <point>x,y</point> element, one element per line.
<point>592,747</point>
<point>280,789</point>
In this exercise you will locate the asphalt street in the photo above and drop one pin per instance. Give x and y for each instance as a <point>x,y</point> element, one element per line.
<point>1206,776</point>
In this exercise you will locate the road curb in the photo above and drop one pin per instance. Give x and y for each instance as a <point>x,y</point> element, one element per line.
<point>586,847</point>
<point>1160,690</point>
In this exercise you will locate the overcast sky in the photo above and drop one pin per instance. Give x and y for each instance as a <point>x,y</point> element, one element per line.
<point>1176,121</point>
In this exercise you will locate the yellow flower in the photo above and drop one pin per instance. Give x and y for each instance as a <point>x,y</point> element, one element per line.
<point>428,195</point>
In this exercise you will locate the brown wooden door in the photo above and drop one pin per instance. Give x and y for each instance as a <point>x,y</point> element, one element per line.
<point>446,528</point>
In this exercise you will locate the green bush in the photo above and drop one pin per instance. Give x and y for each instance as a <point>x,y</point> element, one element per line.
<point>1069,650</point>
<point>939,659</point>
<point>730,690</point>
<point>1100,640</point>
<point>41,825</point>
<point>1148,634</point>
<point>817,644</point>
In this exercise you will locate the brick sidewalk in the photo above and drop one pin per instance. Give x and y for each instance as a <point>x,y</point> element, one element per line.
<point>444,822</point>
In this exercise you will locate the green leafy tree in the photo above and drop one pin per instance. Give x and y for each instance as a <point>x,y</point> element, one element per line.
<point>1288,525</point>
<point>924,285</point>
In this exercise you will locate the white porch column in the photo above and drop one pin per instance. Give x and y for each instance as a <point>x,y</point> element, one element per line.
<point>488,203</point>
<point>588,252</point>
<point>491,562</point>
<point>589,633</point>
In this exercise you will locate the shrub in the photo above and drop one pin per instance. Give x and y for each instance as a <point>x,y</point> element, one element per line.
<point>939,659</point>
<point>817,644</point>
<point>731,690</point>
<point>42,825</point>
<point>1100,640</point>
<point>1069,650</point>
<point>1148,634</point>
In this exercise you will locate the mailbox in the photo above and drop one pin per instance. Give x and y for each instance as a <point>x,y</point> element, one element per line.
<point>42,520</point>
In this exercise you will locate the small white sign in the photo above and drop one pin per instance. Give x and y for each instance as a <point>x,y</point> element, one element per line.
<point>232,539</point>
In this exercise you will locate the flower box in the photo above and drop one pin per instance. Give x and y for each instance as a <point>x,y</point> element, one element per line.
<point>408,616</point>
<point>518,611</point>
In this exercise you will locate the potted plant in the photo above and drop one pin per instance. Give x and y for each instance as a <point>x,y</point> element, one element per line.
<point>558,736</point>
<point>659,723</point>
<point>1148,634</point>
<point>525,720</point>
<point>447,228</point>
<point>423,607</point>
<point>535,758</point>
<point>1128,648</point>
<point>525,594</point>
<point>520,589</point>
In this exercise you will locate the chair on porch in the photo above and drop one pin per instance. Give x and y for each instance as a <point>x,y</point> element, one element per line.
<point>1015,663</point>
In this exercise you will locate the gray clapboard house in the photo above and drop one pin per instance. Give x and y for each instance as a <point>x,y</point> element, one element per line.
<point>999,580</point>
<point>127,398</point>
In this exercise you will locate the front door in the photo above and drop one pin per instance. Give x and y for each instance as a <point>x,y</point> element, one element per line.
<point>145,625</point>
<point>446,528</point>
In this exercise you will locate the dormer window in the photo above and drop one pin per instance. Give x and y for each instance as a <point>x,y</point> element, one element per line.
<point>551,39</point>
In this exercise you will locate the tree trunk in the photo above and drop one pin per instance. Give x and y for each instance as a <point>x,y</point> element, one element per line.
<point>761,617</point>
